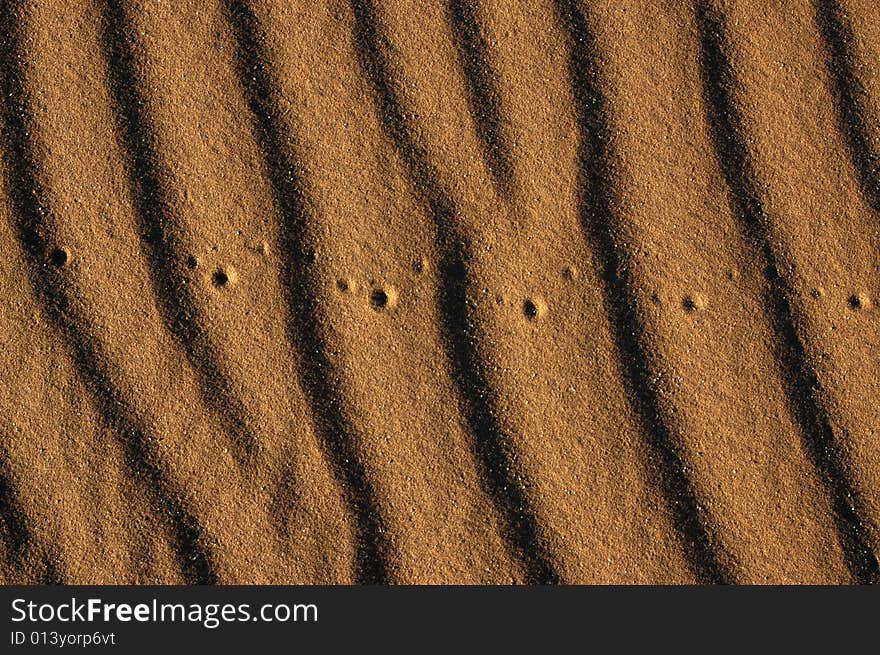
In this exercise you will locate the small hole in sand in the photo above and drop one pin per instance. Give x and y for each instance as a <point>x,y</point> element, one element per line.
<point>419,265</point>
<point>383,298</point>
<point>58,257</point>
<point>379,299</point>
<point>220,278</point>
<point>859,301</point>
<point>192,262</point>
<point>343,286</point>
<point>570,273</point>
<point>693,303</point>
<point>534,308</point>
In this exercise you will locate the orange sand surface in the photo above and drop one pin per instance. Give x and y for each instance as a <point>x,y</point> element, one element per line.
<point>439,291</point>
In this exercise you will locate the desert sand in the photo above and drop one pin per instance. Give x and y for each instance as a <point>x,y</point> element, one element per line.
<point>439,291</point>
